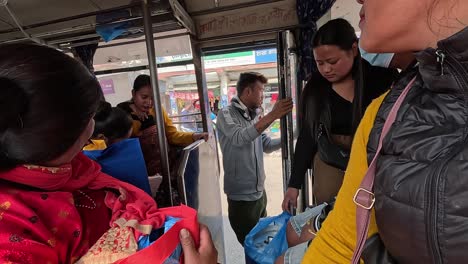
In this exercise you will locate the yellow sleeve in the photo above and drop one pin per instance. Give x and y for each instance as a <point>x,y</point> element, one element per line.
<point>96,144</point>
<point>174,136</point>
<point>336,240</point>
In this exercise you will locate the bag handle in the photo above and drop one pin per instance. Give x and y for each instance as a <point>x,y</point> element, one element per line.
<point>364,198</point>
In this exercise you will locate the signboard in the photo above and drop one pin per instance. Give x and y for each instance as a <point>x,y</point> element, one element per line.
<point>240,58</point>
<point>265,56</point>
<point>250,19</point>
<point>229,59</point>
<point>107,86</point>
<point>175,58</point>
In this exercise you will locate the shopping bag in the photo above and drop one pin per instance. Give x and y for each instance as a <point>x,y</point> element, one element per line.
<point>124,161</point>
<point>267,240</point>
<point>162,249</point>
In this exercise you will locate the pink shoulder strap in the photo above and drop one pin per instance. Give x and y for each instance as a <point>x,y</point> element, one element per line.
<point>364,197</point>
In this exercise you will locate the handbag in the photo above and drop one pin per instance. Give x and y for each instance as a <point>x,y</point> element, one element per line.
<point>329,152</point>
<point>163,248</point>
<point>364,198</point>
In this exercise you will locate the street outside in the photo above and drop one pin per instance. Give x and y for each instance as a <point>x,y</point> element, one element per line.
<point>274,189</point>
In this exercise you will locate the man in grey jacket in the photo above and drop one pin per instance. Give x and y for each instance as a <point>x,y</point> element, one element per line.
<point>243,143</point>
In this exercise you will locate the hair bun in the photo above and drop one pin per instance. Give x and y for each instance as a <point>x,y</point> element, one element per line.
<point>13,102</point>
<point>103,112</point>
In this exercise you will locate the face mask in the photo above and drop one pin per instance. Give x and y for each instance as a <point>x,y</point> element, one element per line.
<point>377,59</point>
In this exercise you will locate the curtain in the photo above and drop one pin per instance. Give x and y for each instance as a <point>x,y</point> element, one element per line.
<point>85,54</point>
<point>308,12</point>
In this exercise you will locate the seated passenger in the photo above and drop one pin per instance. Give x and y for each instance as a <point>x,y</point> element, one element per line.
<point>112,125</point>
<point>111,147</point>
<point>141,108</point>
<point>55,203</point>
<point>420,183</point>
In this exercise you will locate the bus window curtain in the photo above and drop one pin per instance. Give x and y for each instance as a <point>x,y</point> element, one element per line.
<point>309,12</point>
<point>85,54</point>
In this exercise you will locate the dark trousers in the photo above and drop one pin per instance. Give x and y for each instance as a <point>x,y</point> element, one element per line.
<point>244,215</point>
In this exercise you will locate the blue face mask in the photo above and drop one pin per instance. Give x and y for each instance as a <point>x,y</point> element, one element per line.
<point>377,59</point>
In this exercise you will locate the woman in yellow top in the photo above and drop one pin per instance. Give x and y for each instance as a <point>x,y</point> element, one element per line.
<point>141,108</point>
<point>419,209</point>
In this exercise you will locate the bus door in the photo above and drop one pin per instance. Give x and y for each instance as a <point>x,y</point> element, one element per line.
<point>288,87</point>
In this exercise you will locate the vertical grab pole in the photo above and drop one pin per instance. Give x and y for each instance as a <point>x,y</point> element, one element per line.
<point>287,137</point>
<point>148,28</point>
<point>283,121</point>
<point>201,85</point>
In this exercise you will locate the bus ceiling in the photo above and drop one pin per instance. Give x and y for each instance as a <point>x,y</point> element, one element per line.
<point>65,23</point>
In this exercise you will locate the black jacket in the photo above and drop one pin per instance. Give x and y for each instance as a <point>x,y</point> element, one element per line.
<point>377,80</point>
<point>421,183</point>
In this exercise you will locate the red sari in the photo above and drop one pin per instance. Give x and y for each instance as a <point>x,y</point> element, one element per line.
<point>71,213</point>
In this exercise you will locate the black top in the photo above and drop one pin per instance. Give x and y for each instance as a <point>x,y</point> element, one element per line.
<point>341,114</point>
<point>377,80</point>
<point>150,121</point>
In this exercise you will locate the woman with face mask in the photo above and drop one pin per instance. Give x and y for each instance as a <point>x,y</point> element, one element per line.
<point>416,204</point>
<point>332,105</point>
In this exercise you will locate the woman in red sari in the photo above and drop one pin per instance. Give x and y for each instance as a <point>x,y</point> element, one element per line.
<point>56,206</point>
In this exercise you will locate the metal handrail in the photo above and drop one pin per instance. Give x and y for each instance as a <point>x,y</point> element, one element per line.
<point>185,115</point>
<point>187,122</point>
<point>183,165</point>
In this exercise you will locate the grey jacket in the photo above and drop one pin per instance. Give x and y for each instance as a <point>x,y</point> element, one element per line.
<point>421,181</point>
<point>242,147</point>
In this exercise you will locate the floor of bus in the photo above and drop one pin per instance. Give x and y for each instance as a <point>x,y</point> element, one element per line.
<point>274,188</point>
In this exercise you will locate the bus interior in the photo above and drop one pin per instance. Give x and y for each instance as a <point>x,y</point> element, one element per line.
<point>194,51</point>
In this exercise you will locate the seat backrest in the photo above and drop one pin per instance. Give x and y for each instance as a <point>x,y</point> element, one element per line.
<point>124,161</point>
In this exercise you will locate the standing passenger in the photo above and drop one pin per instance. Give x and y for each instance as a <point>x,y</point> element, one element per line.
<point>243,143</point>
<point>420,183</point>
<point>333,102</point>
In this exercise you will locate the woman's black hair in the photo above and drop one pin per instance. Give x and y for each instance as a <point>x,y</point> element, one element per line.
<point>47,99</point>
<point>336,32</point>
<point>112,122</point>
<point>141,81</point>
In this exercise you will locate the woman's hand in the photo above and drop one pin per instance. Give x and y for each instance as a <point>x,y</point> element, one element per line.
<point>205,254</point>
<point>198,136</point>
<point>141,115</point>
<point>290,199</point>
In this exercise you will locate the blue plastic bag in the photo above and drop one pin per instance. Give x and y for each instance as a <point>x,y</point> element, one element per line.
<point>267,240</point>
<point>109,31</point>
<point>124,161</point>
<point>146,241</point>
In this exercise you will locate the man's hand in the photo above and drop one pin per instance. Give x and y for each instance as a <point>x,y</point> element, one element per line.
<point>205,254</point>
<point>290,199</point>
<point>198,136</point>
<point>282,108</point>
